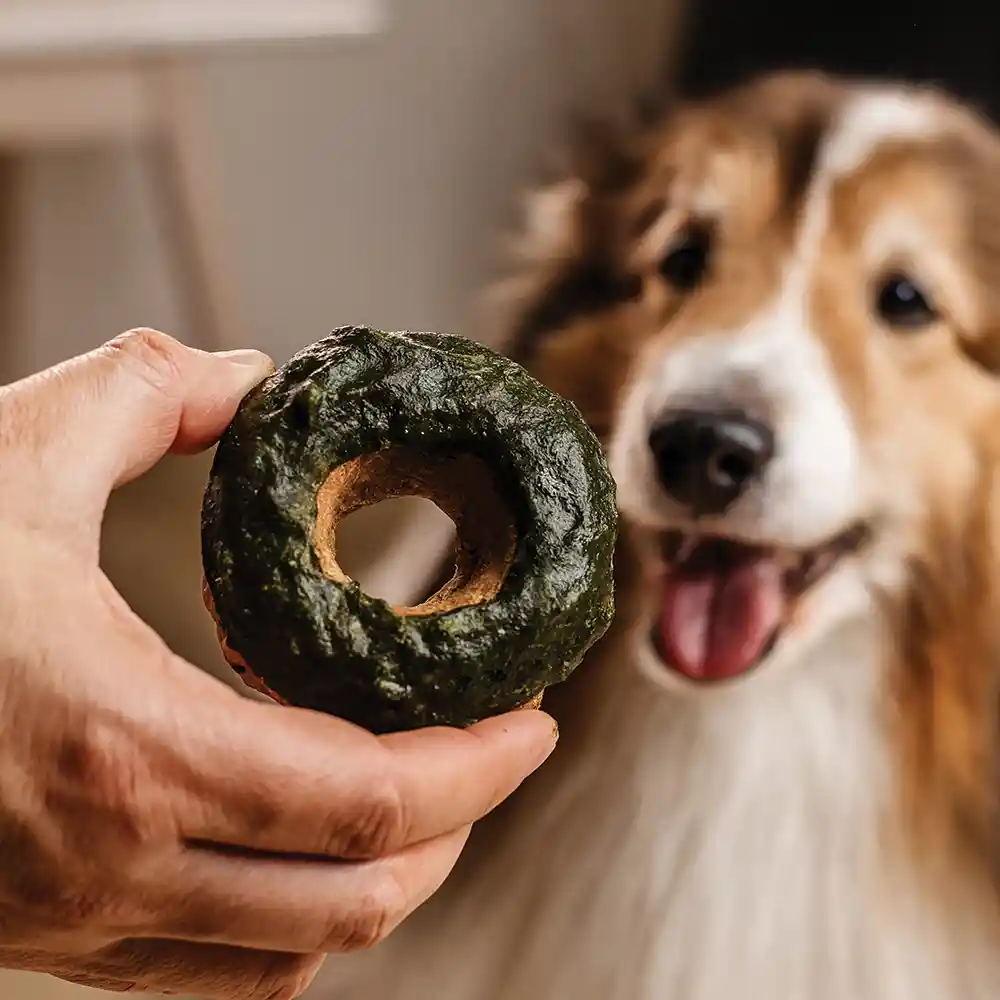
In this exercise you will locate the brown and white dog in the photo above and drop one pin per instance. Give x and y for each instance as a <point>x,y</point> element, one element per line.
<point>777,778</point>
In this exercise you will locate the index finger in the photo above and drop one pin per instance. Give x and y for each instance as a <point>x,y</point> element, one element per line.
<point>291,781</point>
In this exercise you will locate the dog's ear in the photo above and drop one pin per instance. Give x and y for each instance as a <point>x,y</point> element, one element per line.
<point>605,153</point>
<point>565,256</point>
<point>972,157</point>
<point>572,249</point>
<point>947,679</point>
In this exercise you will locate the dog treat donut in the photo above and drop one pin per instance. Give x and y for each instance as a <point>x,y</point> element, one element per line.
<point>363,416</point>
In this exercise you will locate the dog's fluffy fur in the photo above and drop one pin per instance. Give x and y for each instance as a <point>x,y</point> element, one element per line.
<point>824,827</point>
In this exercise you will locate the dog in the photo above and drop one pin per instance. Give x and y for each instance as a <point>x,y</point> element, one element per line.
<point>779,308</point>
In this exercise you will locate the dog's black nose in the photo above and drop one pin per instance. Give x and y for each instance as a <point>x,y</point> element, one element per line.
<point>706,460</point>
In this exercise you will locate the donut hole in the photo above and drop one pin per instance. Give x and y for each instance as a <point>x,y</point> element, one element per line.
<point>388,524</point>
<point>461,486</point>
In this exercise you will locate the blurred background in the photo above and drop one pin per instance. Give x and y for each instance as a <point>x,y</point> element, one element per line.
<point>253,173</point>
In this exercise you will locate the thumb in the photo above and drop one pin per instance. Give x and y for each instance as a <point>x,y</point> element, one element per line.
<point>102,419</point>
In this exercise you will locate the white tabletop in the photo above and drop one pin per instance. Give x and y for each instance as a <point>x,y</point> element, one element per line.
<point>42,27</point>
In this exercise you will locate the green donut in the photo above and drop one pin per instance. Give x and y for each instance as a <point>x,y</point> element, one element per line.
<point>361,416</point>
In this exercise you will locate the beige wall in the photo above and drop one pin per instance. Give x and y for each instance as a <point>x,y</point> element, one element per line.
<point>364,181</point>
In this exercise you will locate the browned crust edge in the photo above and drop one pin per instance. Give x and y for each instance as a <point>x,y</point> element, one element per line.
<point>256,683</point>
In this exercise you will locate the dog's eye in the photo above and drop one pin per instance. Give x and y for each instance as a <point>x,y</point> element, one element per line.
<point>901,303</point>
<point>686,263</point>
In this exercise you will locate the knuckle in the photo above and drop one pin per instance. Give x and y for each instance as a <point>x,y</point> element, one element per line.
<point>88,908</point>
<point>94,982</point>
<point>93,909</point>
<point>22,427</point>
<point>286,978</point>
<point>47,892</point>
<point>154,357</point>
<point>97,786</point>
<point>377,914</point>
<point>380,825</point>
<point>10,416</point>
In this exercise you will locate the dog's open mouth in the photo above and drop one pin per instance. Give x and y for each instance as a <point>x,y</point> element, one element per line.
<point>725,603</point>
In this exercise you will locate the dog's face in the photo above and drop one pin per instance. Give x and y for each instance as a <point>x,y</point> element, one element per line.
<point>782,314</point>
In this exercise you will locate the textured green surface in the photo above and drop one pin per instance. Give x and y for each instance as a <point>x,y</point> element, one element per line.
<point>333,648</point>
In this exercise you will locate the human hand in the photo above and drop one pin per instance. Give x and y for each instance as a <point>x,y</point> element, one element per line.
<point>158,831</point>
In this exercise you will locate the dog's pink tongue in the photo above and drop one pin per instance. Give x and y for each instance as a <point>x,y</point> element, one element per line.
<point>715,623</point>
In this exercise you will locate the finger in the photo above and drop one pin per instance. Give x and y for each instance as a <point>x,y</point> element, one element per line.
<point>256,776</point>
<point>311,784</point>
<point>302,906</point>
<point>101,983</point>
<point>218,972</point>
<point>104,418</point>
<point>215,972</point>
<point>283,780</point>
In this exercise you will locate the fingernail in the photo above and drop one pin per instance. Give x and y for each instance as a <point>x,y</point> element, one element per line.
<point>248,359</point>
<point>249,367</point>
<point>554,740</point>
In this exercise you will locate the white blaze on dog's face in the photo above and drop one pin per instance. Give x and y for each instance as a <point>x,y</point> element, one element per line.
<point>792,292</point>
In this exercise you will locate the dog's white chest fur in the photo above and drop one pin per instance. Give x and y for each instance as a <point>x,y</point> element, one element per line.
<point>702,850</point>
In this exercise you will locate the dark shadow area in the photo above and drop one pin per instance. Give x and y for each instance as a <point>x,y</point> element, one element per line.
<point>951,44</point>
